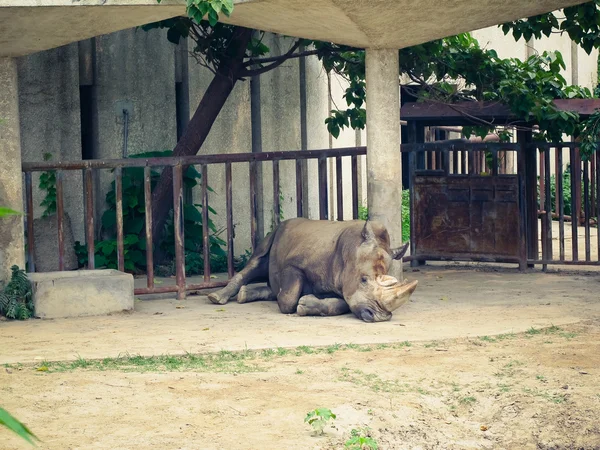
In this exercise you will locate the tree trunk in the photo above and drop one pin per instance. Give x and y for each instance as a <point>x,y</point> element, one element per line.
<point>198,128</point>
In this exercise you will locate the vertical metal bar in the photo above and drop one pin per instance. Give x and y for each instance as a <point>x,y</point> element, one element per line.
<point>542,179</point>
<point>521,177</point>
<point>148,217</point>
<point>412,161</point>
<point>253,205</point>
<point>574,243</point>
<point>119,205</point>
<point>578,185</point>
<point>339,187</point>
<point>598,197</point>
<point>299,187</point>
<point>542,208</point>
<point>586,208</point>
<point>30,239</point>
<point>531,197</point>
<point>179,231</point>
<point>556,205</point>
<point>560,196</point>
<point>276,190</point>
<point>494,162</point>
<point>323,205</point>
<point>549,251</point>
<point>471,156</point>
<point>354,187</point>
<point>593,175</point>
<point>463,163</point>
<point>455,158</point>
<point>229,208</point>
<point>60,215</point>
<point>89,209</point>
<point>205,229</point>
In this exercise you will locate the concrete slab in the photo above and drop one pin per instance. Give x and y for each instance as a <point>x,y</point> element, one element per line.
<point>448,303</point>
<point>361,23</point>
<point>81,293</point>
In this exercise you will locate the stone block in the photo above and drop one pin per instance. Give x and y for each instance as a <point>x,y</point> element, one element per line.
<point>81,293</point>
<point>45,238</point>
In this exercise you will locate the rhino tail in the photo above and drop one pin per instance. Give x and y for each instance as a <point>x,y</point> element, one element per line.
<point>257,268</point>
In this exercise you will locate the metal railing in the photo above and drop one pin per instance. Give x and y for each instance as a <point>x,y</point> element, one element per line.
<point>177,164</point>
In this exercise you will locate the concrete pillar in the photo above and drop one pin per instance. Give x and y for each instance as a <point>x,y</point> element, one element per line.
<point>12,245</point>
<point>384,163</point>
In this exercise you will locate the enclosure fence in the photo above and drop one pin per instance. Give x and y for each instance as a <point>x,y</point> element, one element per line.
<point>501,202</point>
<point>91,168</point>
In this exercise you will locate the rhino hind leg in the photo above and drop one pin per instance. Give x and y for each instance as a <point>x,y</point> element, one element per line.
<point>255,270</point>
<point>309,305</point>
<point>249,293</point>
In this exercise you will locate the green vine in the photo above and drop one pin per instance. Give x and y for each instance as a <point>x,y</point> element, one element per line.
<point>48,184</point>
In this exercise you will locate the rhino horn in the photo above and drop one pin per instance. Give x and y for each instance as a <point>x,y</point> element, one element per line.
<point>398,253</point>
<point>402,293</point>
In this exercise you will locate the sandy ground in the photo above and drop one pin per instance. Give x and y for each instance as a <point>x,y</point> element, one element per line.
<point>448,303</point>
<point>538,390</point>
<point>433,377</point>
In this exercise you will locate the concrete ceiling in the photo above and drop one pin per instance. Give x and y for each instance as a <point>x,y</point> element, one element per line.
<point>28,26</point>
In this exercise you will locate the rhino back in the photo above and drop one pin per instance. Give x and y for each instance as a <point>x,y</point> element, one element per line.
<point>320,249</point>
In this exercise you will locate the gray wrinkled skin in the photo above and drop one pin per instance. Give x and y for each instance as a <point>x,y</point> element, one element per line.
<point>317,267</point>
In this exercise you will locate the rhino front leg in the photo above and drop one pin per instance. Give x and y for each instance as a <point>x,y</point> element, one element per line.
<point>310,305</point>
<point>251,293</point>
<point>291,283</point>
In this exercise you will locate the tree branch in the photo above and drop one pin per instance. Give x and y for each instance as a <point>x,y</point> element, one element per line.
<point>252,62</point>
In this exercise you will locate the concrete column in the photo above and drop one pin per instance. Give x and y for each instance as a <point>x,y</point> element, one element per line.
<point>384,163</point>
<point>12,245</point>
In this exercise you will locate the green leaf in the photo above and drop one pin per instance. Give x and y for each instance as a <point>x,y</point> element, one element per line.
<point>4,212</point>
<point>17,427</point>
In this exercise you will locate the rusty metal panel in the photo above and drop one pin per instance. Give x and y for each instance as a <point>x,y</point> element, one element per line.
<point>466,217</point>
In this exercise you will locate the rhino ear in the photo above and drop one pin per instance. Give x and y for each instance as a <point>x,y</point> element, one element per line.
<point>398,253</point>
<point>368,234</point>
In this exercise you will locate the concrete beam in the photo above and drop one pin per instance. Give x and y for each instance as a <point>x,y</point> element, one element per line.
<point>384,162</point>
<point>12,245</point>
<point>361,23</point>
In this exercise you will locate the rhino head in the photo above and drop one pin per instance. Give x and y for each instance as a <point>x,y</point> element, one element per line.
<point>371,293</point>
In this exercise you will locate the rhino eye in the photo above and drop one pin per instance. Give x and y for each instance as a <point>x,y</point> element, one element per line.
<point>364,279</point>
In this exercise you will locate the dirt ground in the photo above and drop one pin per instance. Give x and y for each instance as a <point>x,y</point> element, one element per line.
<point>480,359</point>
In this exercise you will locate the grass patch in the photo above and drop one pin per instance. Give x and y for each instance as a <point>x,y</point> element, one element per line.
<point>468,400</point>
<point>488,339</point>
<point>376,383</point>
<point>224,361</point>
<point>551,397</point>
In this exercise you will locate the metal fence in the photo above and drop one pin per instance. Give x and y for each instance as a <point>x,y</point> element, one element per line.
<point>561,164</point>
<point>541,194</point>
<point>91,168</point>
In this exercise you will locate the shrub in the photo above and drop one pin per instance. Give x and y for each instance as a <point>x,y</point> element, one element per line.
<point>16,300</point>
<point>134,240</point>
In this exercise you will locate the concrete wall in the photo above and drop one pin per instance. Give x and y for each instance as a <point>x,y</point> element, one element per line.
<point>50,121</point>
<point>231,133</point>
<point>135,68</point>
<point>11,193</point>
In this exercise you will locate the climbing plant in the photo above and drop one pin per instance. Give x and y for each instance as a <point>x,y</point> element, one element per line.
<point>134,217</point>
<point>48,185</point>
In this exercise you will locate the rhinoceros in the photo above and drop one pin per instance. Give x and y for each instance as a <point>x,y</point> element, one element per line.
<point>323,268</point>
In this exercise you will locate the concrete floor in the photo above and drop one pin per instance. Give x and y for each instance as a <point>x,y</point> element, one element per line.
<point>449,302</point>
